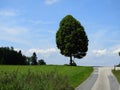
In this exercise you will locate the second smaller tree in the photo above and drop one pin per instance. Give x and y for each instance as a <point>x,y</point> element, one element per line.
<point>34,59</point>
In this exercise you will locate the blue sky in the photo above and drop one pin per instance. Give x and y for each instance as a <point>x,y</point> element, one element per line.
<point>31,25</point>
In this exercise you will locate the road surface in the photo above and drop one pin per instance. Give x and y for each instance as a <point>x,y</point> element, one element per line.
<point>101,79</point>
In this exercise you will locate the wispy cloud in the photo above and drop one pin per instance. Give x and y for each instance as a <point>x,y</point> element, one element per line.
<point>102,36</point>
<point>8,13</point>
<point>14,34</point>
<point>7,30</point>
<point>50,2</point>
<point>40,22</point>
<point>16,40</point>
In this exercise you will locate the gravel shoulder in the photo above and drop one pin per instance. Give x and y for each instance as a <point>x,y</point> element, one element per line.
<point>101,79</point>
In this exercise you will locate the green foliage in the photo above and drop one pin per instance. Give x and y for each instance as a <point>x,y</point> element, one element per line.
<point>117,74</point>
<point>71,38</point>
<point>118,65</point>
<point>41,62</point>
<point>73,75</point>
<point>9,56</point>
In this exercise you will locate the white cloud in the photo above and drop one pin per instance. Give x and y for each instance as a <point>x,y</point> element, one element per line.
<point>99,52</point>
<point>111,51</point>
<point>17,49</point>
<point>116,49</point>
<point>8,13</point>
<point>45,52</point>
<point>49,2</point>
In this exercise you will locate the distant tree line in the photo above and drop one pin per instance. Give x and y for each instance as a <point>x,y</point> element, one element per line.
<point>8,56</point>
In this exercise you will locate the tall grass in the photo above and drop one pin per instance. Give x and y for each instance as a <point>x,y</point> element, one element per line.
<point>51,76</point>
<point>33,81</point>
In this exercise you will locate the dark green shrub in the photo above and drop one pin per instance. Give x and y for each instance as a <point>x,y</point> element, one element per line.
<point>41,62</point>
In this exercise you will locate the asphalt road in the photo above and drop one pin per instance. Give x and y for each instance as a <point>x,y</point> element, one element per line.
<point>101,79</point>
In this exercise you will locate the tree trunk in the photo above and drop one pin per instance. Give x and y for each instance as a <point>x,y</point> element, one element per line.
<point>71,60</point>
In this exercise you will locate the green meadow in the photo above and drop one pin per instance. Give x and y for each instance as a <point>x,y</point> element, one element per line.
<point>117,74</point>
<point>48,77</point>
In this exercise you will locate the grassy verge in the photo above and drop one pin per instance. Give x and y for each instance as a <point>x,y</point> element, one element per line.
<point>117,74</point>
<point>42,77</point>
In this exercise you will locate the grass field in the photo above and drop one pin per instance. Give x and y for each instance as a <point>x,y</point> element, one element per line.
<point>49,77</point>
<point>117,74</point>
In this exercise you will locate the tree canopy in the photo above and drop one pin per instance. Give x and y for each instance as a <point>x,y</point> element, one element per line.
<point>71,38</point>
